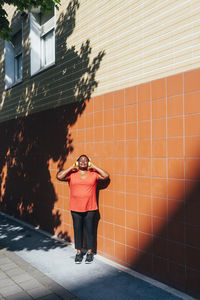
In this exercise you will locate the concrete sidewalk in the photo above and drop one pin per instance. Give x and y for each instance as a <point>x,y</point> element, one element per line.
<point>35,266</point>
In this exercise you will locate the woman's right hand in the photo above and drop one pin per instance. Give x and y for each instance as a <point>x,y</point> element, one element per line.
<point>74,167</point>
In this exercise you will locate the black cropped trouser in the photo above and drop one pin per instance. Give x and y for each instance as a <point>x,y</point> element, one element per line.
<point>83,222</point>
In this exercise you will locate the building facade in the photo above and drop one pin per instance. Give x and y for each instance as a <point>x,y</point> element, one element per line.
<point>119,81</point>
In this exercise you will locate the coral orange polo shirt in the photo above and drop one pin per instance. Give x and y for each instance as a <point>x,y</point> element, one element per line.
<point>83,192</point>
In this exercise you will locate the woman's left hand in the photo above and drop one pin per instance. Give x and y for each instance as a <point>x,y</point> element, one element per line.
<point>102,174</point>
<point>91,167</point>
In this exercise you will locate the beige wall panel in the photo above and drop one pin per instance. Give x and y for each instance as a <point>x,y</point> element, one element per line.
<point>147,37</point>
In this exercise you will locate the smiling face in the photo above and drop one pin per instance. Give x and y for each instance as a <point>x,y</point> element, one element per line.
<point>83,162</point>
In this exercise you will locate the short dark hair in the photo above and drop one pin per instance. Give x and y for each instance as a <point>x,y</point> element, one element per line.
<point>83,155</point>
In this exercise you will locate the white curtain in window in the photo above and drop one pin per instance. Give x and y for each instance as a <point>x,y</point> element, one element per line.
<point>49,48</point>
<point>9,64</point>
<point>35,45</point>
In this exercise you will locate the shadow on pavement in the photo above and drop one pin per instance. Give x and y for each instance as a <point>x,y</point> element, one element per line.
<point>15,237</point>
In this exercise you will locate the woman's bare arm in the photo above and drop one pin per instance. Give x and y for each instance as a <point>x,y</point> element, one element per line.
<point>61,175</point>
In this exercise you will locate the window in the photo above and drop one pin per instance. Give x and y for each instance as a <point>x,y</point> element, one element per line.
<point>13,60</point>
<point>42,38</point>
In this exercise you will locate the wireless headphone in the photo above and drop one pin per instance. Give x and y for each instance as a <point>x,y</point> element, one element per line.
<point>89,160</point>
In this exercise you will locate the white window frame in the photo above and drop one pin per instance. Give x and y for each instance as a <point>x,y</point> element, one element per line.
<point>37,43</point>
<point>11,71</point>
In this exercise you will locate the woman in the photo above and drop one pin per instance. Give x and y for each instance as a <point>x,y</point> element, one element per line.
<point>82,178</point>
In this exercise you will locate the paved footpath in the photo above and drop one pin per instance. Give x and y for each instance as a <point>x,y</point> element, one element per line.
<point>21,281</point>
<point>35,266</point>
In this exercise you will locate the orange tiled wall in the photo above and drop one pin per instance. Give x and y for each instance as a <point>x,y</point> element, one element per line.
<point>147,137</point>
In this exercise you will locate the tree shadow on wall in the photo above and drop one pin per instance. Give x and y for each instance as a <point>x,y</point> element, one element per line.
<point>71,79</point>
<point>31,141</point>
